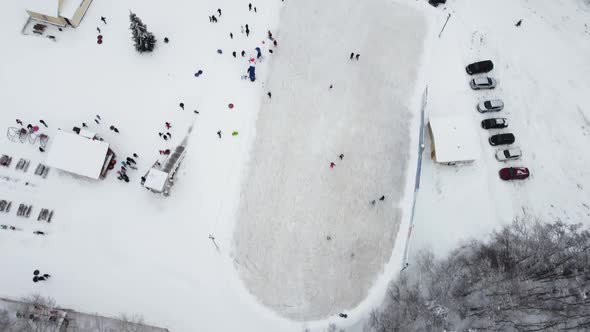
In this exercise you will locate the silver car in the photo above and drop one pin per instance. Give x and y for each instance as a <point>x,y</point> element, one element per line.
<point>483,83</point>
<point>494,105</point>
<point>508,154</point>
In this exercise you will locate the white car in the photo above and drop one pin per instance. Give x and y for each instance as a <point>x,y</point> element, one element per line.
<point>482,83</point>
<point>494,105</point>
<point>508,154</point>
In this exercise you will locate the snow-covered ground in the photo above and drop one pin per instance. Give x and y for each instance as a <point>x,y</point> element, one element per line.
<point>543,74</point>
<point>115,248</point>
<point>309,243</point>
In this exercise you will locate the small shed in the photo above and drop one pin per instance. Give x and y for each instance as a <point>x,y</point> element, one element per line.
<point>454,139</point>
<point>58,12</point>
<point>80,155</point>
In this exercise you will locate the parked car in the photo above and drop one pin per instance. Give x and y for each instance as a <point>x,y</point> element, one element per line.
<point>483,83</point>
<point>501,139</point>
<point>508,154</point>
<point>494,105</point>
<point>480,67</point>
<point>494,123</point>
<point>514,173</point>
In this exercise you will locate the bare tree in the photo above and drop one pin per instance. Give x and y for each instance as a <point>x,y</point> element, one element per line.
<point>5,321</point>
<point>530,276</point>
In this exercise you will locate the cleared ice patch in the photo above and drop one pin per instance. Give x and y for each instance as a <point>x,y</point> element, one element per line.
<point>308,241</point>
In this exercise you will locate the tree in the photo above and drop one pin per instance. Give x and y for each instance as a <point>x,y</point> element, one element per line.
<point>144,40</point>
<point>530,276</point>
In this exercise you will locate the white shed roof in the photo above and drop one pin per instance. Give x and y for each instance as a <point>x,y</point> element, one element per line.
<point>455,138</point>
<point>45,7</point>
<point>76,154</point>
<point>156,180</point>
<point>68,8</point>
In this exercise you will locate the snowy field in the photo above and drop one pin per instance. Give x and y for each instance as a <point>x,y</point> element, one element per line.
<point>115,248</point>
<point>292,200</point>
<point>543,74</point>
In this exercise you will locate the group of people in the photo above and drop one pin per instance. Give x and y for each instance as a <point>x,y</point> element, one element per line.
<point>129,162</point>
<point>38,277</point>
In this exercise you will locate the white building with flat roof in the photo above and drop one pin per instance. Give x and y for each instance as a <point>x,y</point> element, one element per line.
<point>79,155</point>
<point>453,139</point>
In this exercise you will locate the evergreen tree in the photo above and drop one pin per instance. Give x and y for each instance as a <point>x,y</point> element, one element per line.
<point>144,40</point>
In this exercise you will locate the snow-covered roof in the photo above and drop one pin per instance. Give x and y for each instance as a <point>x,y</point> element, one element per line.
<point>45,7</point>
<point>455,138</point>
<point>156,180</point>
<point>68,8</point>
<point>76,154</point>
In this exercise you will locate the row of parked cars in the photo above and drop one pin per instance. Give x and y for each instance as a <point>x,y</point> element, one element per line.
<point>496,105</point>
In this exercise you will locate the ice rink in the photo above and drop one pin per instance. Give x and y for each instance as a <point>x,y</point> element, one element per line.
<point>291,200</point>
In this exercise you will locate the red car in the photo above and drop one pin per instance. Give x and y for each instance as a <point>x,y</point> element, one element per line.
<point>514,173</point>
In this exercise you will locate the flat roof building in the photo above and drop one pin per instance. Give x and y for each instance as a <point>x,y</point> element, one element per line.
<point>79,154</point>
<point>454,139</point>
<point>58,12</point>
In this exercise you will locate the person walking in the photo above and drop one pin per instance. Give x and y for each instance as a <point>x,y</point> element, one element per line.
<point>247,30</point>
<point>103,19</point>
<point>219,133</point>
<point>219,11</point>
<point>270,35</point>
<point>343,315</point>
<point>332,165</point>
<point>231,35</point>
<point>274,42</point>
<point>357,57</point>
<point>518,23</point>
<point>181,105</point>
<point>168,125</point>
<point>98,29</point>
<point>250,7</point>
<point>269,95</point>
<point>341,156</point>
<point>243,55</point>
<point>234,54</point>
<point>19,122</point>
<point>382,198</point>
<point>351,56</point>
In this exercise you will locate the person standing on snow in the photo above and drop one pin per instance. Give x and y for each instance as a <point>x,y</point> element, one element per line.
<point>258,52</point>
<point>250,7</point>
<point>104,19</point>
